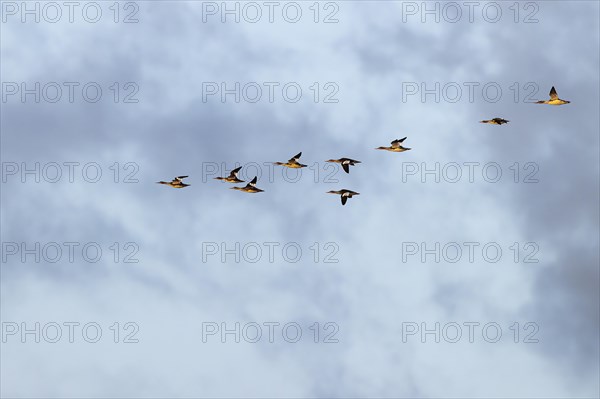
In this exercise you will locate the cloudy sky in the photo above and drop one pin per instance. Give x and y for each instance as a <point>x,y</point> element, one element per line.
<point>102,100</point>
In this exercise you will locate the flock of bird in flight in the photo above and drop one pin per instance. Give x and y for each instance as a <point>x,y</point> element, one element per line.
<point>294,162</point>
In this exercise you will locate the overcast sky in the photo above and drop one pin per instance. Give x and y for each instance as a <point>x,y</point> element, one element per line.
<point>357,75</point>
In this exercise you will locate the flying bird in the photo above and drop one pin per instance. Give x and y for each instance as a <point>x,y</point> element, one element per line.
<point>495,121</point>
<point>292,163</point>
<point>345,194</point>
<point>396,146</point>
<point>554,100</point>
<point>345,162</point>
<point>176,182</point>
<point>250,187</point>
<point>232,178</point>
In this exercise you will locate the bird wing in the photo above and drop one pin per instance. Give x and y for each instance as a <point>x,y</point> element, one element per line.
<point>553,94</point>
<point>295,158</point>
<point>396,143</point>
<point>253,182</point>
<point>346,167</point>
<point>344,199</point>
<point>234,172</point>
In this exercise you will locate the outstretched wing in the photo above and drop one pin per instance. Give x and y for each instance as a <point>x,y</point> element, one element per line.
<point>344,199</point>
<point>253,182</point>
<point>295,158</point>
<point>396,143</point>
<point>553,94</point>
<point>234,172</point>
<point>346,167</point>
